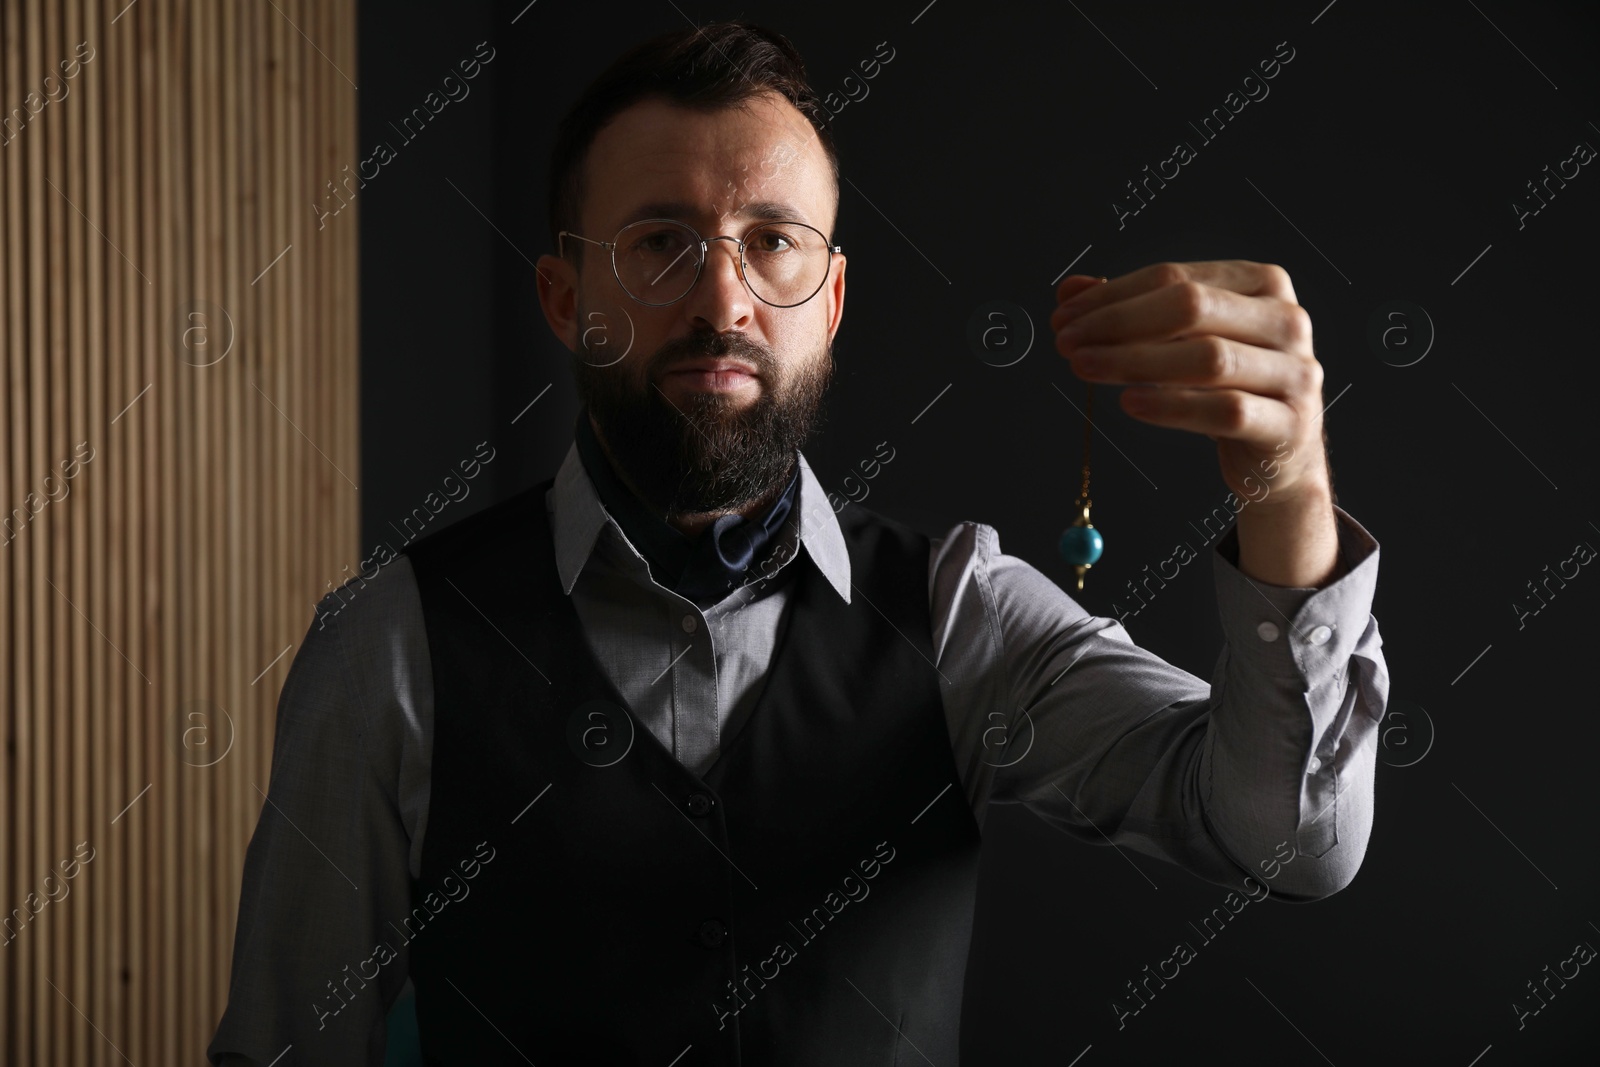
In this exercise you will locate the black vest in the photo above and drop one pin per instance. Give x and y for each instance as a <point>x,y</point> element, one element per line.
<point>587,900</point>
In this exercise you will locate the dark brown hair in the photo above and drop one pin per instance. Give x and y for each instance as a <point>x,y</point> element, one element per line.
<point>719,65</point>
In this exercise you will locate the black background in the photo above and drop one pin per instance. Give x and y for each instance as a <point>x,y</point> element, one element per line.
<point>986,157</point>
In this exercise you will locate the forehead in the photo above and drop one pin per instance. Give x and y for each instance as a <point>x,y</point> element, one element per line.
<point>760,160</point>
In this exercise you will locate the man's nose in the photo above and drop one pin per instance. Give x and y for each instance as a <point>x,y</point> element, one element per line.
<point>715,262</point>
<point>720,297</point>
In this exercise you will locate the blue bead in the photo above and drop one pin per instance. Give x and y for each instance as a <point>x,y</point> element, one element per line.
<point>1081,545</point>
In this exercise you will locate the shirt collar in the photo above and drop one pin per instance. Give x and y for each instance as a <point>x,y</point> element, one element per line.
<point>578,518</point>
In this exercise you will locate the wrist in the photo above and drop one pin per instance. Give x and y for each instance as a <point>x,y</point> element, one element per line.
<point>1292,541</point>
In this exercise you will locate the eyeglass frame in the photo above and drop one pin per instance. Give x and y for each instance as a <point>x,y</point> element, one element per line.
<point>705,254</point>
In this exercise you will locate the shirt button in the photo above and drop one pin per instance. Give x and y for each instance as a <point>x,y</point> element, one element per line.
<point>689,624</point>
<point>1313,766</point>
<point>712,933</point>
<point>1320,635</point>
<point>1268,631</point>
<point>699,803</point>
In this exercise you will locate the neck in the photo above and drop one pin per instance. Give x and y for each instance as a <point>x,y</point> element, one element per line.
<point>690,524</point>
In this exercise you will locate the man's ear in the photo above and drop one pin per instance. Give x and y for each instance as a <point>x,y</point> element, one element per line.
<point>835,295</point>
<point>558,296</point>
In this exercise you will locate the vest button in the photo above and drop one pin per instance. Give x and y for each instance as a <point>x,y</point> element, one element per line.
<point>712,933</point>
<point>699,803</point>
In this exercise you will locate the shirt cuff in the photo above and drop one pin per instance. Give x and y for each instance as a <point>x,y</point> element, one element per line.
<point>1302,633</point>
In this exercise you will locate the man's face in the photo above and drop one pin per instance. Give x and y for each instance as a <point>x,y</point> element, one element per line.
<point>689,444</point>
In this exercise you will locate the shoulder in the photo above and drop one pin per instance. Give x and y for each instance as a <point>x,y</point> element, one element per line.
<point>355,681</point>
<point>874,532</point>
<point>366,611</point>
<point>500,521</point>
<point>967,568</point>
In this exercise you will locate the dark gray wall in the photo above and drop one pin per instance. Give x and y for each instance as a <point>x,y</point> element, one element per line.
<point>1383,166</point>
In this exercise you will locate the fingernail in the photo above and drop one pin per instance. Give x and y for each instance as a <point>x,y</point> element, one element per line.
<point>1070,334</point>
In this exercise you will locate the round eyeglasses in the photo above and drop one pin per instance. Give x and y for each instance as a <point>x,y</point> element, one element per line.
<point>657,261</point>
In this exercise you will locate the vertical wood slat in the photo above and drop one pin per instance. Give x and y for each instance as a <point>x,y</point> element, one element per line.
<point>12,467</point>
<point>75,155</point>
<point>136,433</point>
<point>186,553</point>
<point>11,458</point>
<point>102,510</point>
<point>37,549</point>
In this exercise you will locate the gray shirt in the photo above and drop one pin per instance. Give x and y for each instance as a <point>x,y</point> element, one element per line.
<point>1047,706</point>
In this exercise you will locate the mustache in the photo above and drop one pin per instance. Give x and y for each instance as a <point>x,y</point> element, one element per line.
<point>713,346</point>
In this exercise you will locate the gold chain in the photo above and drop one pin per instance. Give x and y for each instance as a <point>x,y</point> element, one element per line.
<point>1088,433</point>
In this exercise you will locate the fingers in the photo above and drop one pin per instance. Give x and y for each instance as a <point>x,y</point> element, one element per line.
<point>1241,276</point>
<point>1073,284</point>
<point>1187,308</point>
<point>1217,413</point>
<point>1220,348</point>
<point>1211,362</point>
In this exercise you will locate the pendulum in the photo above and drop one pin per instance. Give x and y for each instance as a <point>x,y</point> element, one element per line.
<point>1080,543</point>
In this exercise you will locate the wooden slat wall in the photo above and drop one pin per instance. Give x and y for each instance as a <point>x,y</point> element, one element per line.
<point>140,611</point>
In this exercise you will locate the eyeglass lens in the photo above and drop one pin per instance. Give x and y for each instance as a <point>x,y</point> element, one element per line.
<point>785,262</point>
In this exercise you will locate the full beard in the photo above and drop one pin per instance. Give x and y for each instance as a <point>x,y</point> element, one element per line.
<point>709,451</point>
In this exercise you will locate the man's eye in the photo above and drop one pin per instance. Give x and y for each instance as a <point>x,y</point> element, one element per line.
<point>659,242</point>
